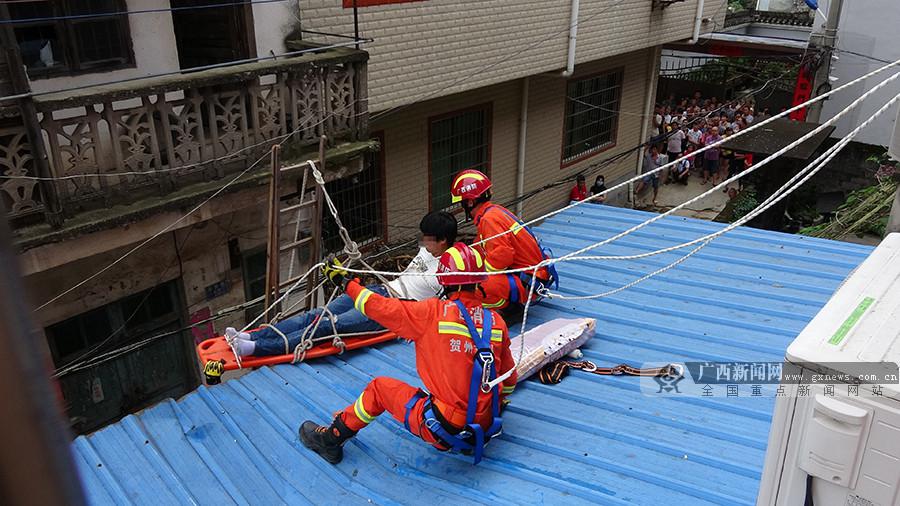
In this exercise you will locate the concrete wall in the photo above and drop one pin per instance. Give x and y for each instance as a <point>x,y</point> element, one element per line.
<point>204,260</point>
<point>436,48</point>
<point>406,140</point>
<point>869,30</point>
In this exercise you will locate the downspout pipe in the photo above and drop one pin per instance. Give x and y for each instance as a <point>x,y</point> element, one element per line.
<point>698,20</point>
<point>652,77</point>
<point>520,162</point>
<point>573,38</point>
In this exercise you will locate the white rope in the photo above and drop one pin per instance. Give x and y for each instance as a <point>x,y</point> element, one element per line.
<point>500,379</point>
<point>752,127</point>
<point>554,295</point>
<point>803,176</point>
<point>279,299</point>
<point>734,178</point>
<point>350,246</point>
<point>280,334</point>
<point>574,254</point>
<point>773,199</point>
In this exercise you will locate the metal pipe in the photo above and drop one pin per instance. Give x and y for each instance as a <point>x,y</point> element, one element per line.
<point>523,127</point>
<point>573,36</point>
<point>356,23</point>
<point>652,77</point>
<point>698,20</point>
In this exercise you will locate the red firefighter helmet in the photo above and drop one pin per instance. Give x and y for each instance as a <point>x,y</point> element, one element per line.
<point>469,185</point>
<point>461,258</point>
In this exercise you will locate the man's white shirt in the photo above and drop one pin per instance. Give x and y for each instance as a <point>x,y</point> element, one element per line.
<point>418,287</point>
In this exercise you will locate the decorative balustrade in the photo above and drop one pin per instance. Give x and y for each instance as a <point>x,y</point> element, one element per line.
<point>801,18</point>
<point>113,144</point>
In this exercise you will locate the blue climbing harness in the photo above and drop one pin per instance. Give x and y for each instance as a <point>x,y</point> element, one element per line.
<point>525,277</point>
<point>473,437</point>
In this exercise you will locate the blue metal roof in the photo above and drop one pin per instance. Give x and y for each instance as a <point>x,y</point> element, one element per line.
<point>590,439</point>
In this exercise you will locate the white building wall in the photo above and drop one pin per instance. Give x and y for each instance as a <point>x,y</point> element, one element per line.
<point>153,42</point>
<point>272,23</point>
<point>869,29</point>
<point>429,49</point>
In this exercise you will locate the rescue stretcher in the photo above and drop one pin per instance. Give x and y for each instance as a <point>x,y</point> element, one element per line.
<point>545,343</point>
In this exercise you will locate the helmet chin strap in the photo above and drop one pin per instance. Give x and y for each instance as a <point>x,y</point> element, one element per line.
<point>468,209</point>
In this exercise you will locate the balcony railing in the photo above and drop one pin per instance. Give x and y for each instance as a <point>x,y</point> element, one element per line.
<point>768,17</point>
<point>113,144</point>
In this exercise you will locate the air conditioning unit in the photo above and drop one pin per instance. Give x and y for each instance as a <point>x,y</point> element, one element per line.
<point>837,443</point>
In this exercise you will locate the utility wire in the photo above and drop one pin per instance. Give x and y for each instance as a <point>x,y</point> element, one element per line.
<point>231,63</point>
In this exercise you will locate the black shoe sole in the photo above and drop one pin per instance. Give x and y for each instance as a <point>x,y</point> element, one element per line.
<point>322,452</point>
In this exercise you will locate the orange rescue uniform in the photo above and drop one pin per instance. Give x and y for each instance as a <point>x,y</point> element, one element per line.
<point>445,355</point>
<point>513,250</point>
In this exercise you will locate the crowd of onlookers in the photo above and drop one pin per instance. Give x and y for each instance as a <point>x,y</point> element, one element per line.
<point>681,126</point>
<point>678,127</point>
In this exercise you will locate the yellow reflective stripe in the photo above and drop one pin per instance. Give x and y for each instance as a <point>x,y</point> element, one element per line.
<point>497,304</point>
<point>478,260</point>
<point>476,177</point>
<point>360,411</point>
<point>360,303</point>
<point>489,267</point>
<point>516,228</point>
<point>457,258</point>
<point>459,329</point>
<point>508,390</point>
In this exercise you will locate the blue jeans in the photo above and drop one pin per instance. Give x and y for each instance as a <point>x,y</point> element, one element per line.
<point>348,321</point>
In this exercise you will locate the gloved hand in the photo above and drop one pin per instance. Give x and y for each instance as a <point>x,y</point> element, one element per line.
<point>213,371</point>
<point>333,270</point>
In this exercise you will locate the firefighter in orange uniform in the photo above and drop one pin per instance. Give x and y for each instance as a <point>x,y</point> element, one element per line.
<point>460,347</point>
<point>513,250</point>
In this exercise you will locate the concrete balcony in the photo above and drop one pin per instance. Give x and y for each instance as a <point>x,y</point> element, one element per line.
<point>119,152</point>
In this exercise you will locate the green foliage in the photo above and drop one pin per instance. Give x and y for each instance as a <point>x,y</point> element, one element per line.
<point>865,211</point>
<point>741,5</point>
<point>744,203</point>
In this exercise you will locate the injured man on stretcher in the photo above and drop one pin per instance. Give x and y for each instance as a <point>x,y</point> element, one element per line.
<point>438,231</point>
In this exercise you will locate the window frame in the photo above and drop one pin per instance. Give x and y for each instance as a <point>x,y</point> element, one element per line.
<point>348,4</point>
<point>70,53</point>
<point>565,162</point>
<point>488,108</point>
<point>122,331</point>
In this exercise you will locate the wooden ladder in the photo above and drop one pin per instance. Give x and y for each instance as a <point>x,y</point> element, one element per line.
<point>296,242</point>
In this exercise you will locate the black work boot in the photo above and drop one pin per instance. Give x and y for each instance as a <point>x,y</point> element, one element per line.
<point>328,442</point>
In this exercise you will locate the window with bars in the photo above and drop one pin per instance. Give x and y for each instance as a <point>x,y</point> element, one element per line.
<point>592,115</point>
<point>457,141</point>
<point>358,199</point>
<point>89,41</point>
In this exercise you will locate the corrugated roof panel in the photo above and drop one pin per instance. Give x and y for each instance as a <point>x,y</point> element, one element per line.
<point>590,439</point>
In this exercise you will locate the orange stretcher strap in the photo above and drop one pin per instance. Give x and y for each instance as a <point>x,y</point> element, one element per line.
<point>216,349</point>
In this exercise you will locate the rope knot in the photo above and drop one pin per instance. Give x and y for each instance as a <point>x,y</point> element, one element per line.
<point>352,251</point>
<point>337,342</point>
<point>301,349</point>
